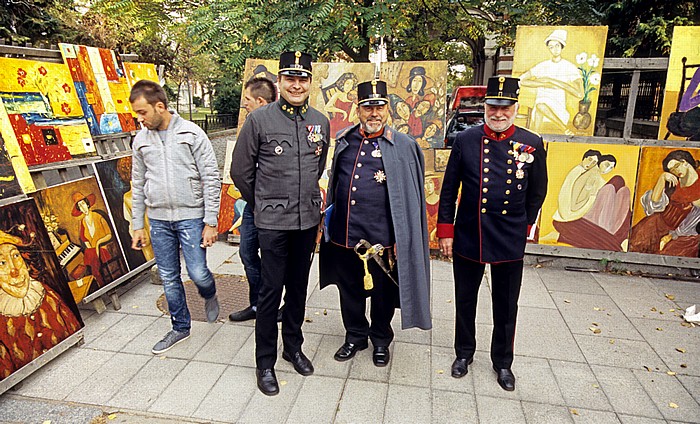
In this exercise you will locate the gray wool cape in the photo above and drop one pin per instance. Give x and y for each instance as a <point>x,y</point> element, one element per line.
<point>404,167</point>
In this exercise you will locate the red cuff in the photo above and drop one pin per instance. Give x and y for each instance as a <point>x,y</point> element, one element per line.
<point>446,231</point>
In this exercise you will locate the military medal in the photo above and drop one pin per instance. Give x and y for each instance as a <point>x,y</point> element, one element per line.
<point>376,153</point>
<point>520,174</point>
<point>278,150</point>
<point>314,133</point>
<point>380,176</point>
<point>318,151</point>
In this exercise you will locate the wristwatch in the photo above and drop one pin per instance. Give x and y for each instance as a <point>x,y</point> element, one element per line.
<point>212,226</point>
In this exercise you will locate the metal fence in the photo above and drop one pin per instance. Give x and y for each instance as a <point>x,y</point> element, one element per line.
<point>216,122</point>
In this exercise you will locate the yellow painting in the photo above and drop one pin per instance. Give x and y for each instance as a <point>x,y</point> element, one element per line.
<point>14,155</point>
<point>666,215</point>
<point>589,198</point>
<point>680,115</point>
<point>417,94</point>
<point>41,112</point>
<point>559,69</point>
<point>140,71</point>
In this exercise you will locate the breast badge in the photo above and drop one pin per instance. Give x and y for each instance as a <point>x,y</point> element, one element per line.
<point>315,135</point>
<point>379,176</point>
<point>278,150</point>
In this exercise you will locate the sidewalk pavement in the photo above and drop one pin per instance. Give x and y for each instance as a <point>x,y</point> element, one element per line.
<point>590,348</point>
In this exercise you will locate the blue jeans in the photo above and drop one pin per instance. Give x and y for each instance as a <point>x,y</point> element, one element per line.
<point>248,250</point>
<point>167,238</point>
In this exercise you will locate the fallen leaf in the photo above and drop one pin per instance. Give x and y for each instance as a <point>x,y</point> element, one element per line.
<point>670,297</point>
<point>47,422</point>
<point>596,309</point>
<point>595,386</point>
<point>672,405</point>
<point>317,313</point>
<point>440,371</point>
<point>653,309</point>
<point>325,312</point>
<point>659,329</point>
<point>574,411</point>
<point>672,310</point>
<point>670,373</point>
<point>595,330</point>
<point>661,312</point>
<point>684,365</point>
<point>647,368</point>
<point>595,323</point>
<point>567,301</point>
<point>112,416</point>
<point>680,349</point>
<point>687,324</point>
<point>449,300</point>
<point>308,320</point>
<point>538,266</point>
<point>135,306</point>
<point>611,341</point>
<point>283,382</point>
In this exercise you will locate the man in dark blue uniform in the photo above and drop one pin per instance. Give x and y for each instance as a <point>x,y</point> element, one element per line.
<point>279,157</point>
<point>376,193</point>
<point>503,174</point>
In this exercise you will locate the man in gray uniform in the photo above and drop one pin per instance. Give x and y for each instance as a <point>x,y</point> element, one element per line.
<point>279,157</point>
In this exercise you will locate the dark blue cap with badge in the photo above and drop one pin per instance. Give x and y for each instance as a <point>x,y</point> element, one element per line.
<point>372,93</point>
<point>502,91</point>
<point>296,64</point>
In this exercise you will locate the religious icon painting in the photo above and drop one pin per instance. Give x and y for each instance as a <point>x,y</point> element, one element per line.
<point>680,114</point>
<point>334,91</point>
<point>41,113</point>
<point>417,96</point>
<point>559,69</point>
<point>589,200</point>
<point>114,177</point>
<point>37,309</point>
<point>82,235</point>
<point>666,217</point>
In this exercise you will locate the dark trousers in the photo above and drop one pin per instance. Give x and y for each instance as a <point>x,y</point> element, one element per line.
<point>506,279</point>
<point>353,298</point>
<point>286,260</point>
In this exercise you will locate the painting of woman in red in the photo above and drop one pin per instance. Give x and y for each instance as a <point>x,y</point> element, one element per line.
<point>341,107</point>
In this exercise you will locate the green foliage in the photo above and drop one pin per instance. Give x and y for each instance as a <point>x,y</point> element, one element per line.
<point>227,98</point>
<point>29,20</point>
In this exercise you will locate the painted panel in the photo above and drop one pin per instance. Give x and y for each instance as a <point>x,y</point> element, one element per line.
<point>589,198</point>
<point>417,94</point>
<point>42,110</point>
<point>138,71</point>
<point>559,69</point>
<point>82,235</point>
<point>37,310</point>
<point>9,183</point>
<point>680,115</point>
<point>666,215</point>
<point>114,177</point>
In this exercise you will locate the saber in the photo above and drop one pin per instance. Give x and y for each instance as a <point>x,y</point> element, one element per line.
<point>367,251</point>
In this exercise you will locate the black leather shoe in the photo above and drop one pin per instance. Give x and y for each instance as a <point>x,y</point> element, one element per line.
<point>505,379</point>
<point>301,363</point>
<point>347,351</point>
<point>460,367</point>
<point>381,356</point>
<point>243,315</point>
<point>267,381</point>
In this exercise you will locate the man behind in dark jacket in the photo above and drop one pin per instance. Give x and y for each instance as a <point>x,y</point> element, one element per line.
<point>376,192</point>
<point>502,170</point>
<point>279,157</point>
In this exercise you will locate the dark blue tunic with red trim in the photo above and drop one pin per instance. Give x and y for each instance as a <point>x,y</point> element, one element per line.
<point>504,182</point>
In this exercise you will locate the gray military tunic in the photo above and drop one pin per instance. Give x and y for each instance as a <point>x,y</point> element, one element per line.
<point>278,159</point>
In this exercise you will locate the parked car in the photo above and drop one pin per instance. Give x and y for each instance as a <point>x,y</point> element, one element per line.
<point>460,121</point>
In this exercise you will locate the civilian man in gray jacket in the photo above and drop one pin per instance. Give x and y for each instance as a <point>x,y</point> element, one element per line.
<point>176,181</point>
<point>279,157</point>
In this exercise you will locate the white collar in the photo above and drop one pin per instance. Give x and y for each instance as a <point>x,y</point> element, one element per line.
<point>14,306</point>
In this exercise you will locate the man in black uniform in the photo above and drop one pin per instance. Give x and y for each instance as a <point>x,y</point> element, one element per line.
<point>376,189</point>
<point>503,173</point>
<point>279,157</point>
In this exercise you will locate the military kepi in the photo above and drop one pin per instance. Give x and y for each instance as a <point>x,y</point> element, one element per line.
<point>372,93</point>
<point>502,91</point>
<point>296,64</point>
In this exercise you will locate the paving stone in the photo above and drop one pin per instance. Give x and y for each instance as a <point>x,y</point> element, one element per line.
<point>484,378</point>
<point>330,323</point>
<point>310,348</point>
<point>188,389</point>
<point>441,372</point>
<point>317,400</point>
<point>324,363</point>
<point>145,387</point>
<point>273,409</point>
<point>409,335</point>
<point>543,333</point>
<point>19,410</point>
<point>542,413</point>
<point>141,299</point>
<point>410,364</point>
<point>200,333</point>
<point>224,344</point>
<point>579,386</point>
<point>637,297</point>
<point>692,385</point>
<point>362,402</point>
<point>569,281</point>
<point>533,292</point>
<point>328,298</point>
<point>119,369</point>
<point>631,419</point>
<point>96,324</point>
<point>683,291</point>
<point>56,379</point>
<point>245,357</point>
<point>362,367</point>
<point>142,343</point>
<point>589,416</point>
<point>667,337</point>
<point>499,411</point>
<point>664,390</point>
<point>399,411</point>
<point>452,407</point>
<point>585,311</point>
<point>229,396</point>
<point>621,353</point>
<point>121,333</point>
<point>624,392</point>
<point>535,381</point>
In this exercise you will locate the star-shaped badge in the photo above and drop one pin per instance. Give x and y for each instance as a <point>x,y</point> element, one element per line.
<point>379,176</point>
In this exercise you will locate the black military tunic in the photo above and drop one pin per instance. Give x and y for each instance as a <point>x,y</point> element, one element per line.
<point>504,181</point>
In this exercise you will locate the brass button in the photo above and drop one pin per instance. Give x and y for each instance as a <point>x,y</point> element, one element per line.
<point>510,171</point>
<point>506,202</point>
<point>357,176</point>
<point>486,142</point>
<point>486,180</point>
<point>510,161</point>
<point>504,212</point>
<point>354,189</point>
<point>366,142</point>
<point>486,170</point>
<point>359,165</point>
<point>510,152</point>
<point>484,200</point>
<point>483,210</point>
<point>507,191</point>
<point>362,153</point>
<point>352,202</point>
<point>507,181</point>
<point>485,190</point>
<point>486,151</point>
<point>486,160</point>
